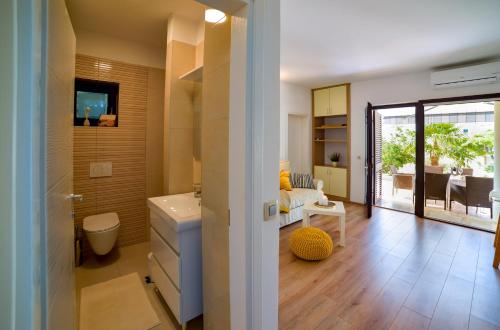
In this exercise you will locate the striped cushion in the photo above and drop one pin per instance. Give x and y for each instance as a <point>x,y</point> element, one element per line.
<point>299,180</point>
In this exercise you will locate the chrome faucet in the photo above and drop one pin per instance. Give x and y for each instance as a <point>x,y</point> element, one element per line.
<point>197,190</point>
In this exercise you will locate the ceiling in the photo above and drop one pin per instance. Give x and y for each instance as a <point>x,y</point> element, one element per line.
<point>137,20</point>
<point>333,41</point>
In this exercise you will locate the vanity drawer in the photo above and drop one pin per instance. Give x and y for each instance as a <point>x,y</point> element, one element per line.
<point>167,289</point>
<point>165,231</point>
<point>166,257</point>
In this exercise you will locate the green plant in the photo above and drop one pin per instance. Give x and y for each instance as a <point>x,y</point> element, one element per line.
<point>335,157</point>
<point>398,150</point>
<point>440,138</point>
<point>462,149</point>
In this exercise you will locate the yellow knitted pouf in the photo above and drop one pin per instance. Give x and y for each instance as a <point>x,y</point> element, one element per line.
<point>311,243</point>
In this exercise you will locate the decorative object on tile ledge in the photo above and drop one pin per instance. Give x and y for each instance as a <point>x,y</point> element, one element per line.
<point>96,103</point>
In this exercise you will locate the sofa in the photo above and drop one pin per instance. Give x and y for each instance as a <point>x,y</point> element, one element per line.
<point>295,199</point>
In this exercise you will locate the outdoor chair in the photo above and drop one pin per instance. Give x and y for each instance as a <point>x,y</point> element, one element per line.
<point>478,193</point>
<point>435,187</point>
<point>434,169</point>
<point>467,171</point>
<point>401,181</point>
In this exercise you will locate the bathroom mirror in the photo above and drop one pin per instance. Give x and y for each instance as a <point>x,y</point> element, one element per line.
<point>96,103</point>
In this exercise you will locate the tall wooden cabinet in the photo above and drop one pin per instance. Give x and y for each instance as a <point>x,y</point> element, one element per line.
<point>331,134</point>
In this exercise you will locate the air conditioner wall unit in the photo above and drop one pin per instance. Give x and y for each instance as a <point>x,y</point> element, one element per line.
<point>467,76</point>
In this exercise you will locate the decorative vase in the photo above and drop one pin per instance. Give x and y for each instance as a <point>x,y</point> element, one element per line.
<point>334,164</point>
<point>87,121</point>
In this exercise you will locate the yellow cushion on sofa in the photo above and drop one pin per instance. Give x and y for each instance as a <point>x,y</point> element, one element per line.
<point>311,243</point>
<point>285,180</point>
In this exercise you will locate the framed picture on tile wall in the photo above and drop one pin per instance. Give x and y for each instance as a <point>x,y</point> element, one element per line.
<point>96,103</point>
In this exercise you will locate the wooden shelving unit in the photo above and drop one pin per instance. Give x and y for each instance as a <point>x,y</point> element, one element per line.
<point>330,165</point>
<point>331,116</point>
<point>331,141</point>
<point>331,127</point>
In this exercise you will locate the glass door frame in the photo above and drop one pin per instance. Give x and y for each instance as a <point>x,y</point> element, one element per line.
<point>419,146</point>
<point>420,137</point>
<point>370,154</point>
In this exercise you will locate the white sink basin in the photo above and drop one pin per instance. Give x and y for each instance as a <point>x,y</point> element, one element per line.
<point>182,211</point>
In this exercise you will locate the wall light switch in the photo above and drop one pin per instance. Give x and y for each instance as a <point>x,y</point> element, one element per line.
<point>270,210</point>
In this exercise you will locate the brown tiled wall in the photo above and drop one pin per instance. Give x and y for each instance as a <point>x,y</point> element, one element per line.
<point>126,146</point>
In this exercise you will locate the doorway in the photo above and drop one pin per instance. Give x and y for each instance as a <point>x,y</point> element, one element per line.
<point>435,158</point>
<point>394,158</point>
<point>297,143</point>
<point>459,163</point>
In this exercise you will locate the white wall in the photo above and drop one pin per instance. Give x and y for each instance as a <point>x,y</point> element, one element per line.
<point>396,89</point>
<point>100,45</point>
<point>295,100</point>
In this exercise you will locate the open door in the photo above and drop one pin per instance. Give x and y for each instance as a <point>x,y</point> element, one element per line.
<point>369,160</point>
<point>59,236</point>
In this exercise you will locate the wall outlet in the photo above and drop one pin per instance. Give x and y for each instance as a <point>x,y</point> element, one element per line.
<point>101,169</point>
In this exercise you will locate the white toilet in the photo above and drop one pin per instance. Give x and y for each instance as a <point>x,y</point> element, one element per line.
<point>101,231</point>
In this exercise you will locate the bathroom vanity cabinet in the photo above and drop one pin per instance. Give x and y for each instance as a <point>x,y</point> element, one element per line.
<point>176,260</point>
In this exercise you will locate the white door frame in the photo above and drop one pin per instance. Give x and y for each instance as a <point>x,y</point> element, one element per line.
<point>253,161</point>
<point>265,142</point>
<point>254,168</point>
<point>20,164</point>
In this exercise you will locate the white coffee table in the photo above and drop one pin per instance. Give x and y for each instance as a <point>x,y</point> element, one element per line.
<point>338,211</point>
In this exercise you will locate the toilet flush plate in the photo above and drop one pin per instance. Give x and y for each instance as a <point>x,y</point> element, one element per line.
<point>101,169</point>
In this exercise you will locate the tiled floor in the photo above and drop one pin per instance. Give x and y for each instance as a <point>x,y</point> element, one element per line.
<point>122,261</point>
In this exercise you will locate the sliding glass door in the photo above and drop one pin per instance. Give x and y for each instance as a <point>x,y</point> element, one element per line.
<point>459,162</point>
<point>436,159</point>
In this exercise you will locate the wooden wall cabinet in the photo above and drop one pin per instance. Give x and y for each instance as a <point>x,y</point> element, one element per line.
<point>330,101</point>
<point>334,180</point>
<point>331,134</point>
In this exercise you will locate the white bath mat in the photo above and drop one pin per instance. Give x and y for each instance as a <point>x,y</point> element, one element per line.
<point>120,303</point>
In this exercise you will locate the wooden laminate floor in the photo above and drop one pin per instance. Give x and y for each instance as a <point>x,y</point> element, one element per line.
<point>396,272</point>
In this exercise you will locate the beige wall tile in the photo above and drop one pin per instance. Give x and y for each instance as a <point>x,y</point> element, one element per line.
<point>134,147</point>
<point>216,96</point>
<point>154,132</point>
<point>179,120</point>
<point>181,166</point>
<point>199,54</point>
<point>217,48</point>
<point>181,114</point>
<point>214,151</point>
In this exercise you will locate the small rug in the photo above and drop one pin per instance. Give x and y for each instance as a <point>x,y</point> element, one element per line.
<point>121,303</point>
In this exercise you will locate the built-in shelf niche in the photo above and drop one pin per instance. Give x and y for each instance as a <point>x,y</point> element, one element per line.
<point>194,75</point>
<point>332,134</point>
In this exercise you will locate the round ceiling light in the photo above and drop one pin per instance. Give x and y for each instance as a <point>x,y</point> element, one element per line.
<point>214,16</point>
